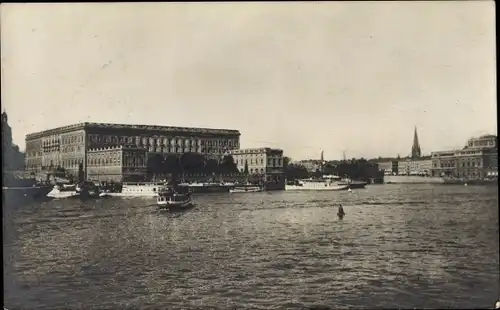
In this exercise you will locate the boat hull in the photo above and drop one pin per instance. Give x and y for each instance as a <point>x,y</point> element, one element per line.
<point>316,188</point>
<point>245,190</point>
<point>174,206</point>
<point>207,188</point>
<point>133,194</point>
<point>403,179</point>
<point>58,194</point>
<point>355,185</point>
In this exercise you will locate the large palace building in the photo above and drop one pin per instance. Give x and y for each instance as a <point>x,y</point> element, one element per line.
<point>477,160</point>
<point>266,163</point>
<point>120,150</point>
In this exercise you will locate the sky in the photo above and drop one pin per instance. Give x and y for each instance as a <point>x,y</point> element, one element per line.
<point>301,76</point>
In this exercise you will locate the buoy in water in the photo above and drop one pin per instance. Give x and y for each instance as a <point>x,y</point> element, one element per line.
<point>465,184</point>
<point>341,212</point>
<point>349,190</point>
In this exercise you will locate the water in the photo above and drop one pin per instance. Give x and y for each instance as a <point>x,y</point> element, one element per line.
<point>399,246</point>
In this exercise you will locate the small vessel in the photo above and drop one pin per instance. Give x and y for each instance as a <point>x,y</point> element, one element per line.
<point>104,194</point>
<point>246,189</point>
<point>61,191</point>
<point>209,187</point>
<point>174,201</point>
<point>352,184</point>
<point>140,189</point>
<point>87,189</point>
<point>321,184</point>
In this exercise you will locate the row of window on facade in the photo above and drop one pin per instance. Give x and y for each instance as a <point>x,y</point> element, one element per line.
<point>453,164</point>
<point>270,162</point>
<point>252,171</point>
<point>62,140</point>
<point>127,161</point>
<point>65,163</point>
<point>145,141</point>
<point>481,143</point>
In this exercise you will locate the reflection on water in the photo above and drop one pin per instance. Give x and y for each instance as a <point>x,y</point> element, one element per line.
<point>398,246</point>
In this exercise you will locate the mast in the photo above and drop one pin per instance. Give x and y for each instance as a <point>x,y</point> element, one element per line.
<point>322,163</point>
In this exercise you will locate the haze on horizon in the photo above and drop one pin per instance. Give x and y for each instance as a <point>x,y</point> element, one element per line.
<point>302,76</point>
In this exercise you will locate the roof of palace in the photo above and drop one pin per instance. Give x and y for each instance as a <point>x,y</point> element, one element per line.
<point>254,151</point>
<point>144,128</point>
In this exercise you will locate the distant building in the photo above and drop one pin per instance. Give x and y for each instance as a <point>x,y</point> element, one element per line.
<point>415,149</point>
<point>259,160</point>
<point>265,162</point>
<point>312,165</point>
<point>411,166</point>
<point>12,158</point>
<point>478,159</point>
<point>120,163</point>
<point>386,166</point>
<point>70,146</point>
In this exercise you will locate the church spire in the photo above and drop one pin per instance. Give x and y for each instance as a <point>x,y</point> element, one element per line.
<point>415,149</point>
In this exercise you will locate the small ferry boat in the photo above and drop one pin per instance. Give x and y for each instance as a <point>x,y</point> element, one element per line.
<point>209,187</point>
<point>246,189</point>
<point>141,189</point>
<point>321,184</point>
<point>353,184</point>
<point>87,189</point>
<point>61,191</point>
<point>174,201</point>
<point>104,194</point>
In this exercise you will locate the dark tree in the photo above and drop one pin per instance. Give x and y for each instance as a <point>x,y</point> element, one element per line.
<point>294,171</point>
<point>246,168</point>
<point>286,161</point>
<point>329,169</point>
<point>192,162</point>
<point>81,174</point>
<point>171,164</point>
<point>155,163</point>
<point>211,166</point>
<point>228,165</point>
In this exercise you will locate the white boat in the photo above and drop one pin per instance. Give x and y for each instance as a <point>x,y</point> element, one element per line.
<point>174,201</point>
<point>142,189</point>
<point>63,191</point>
<point>245,189</point>
<point>323,184</point>
<point>104,194</point>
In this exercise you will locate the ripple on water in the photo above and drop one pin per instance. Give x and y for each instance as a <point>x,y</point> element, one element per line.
<point>398,247</point>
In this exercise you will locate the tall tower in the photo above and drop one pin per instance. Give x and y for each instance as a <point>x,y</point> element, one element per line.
<point>415,149</point>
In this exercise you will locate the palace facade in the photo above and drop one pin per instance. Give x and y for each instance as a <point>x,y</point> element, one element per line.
<point>265,162</point>
<point>120,163</point>
<point>83,144</point>
<point>477,160</point>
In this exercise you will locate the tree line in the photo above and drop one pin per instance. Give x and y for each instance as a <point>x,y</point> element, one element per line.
<point>189,163</point>
<point>359,169</point>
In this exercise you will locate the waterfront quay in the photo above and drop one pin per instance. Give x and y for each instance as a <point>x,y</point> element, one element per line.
<point>136,153</point>
<point>477,161</point>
